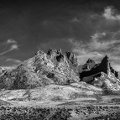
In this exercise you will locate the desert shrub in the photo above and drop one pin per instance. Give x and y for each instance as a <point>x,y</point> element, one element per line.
<point>30,113</point>
<point>61,114</point>
<point>58,113</point>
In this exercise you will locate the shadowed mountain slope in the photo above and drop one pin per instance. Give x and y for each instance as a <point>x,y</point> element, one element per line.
<point>101,75</point>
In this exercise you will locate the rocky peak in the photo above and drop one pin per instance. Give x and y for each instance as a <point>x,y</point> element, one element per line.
<point>103,66</point>
<point>106,64</point>
<point>88,65</point>
<point>105,59</point>
<point>55,54</point>
<point>90,61</point>
<point>39,53</point>
<point>72,58</point>
<point>56,61</point>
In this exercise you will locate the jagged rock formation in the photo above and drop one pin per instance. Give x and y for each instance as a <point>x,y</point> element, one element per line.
<point>52,67</point>
<point>72,59</point>
<point>87,66</point>
<point>55,66</point>
<point>101,75</point>
<point>96,69</point>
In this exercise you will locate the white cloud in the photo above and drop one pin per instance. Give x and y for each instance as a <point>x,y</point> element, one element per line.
<point>97,44</point>
<point>11,41</point>
<point>109,14</point>
<point>83,51</point>
<point>14,47</point>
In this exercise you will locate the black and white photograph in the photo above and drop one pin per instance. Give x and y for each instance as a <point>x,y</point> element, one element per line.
<point>59,59</point>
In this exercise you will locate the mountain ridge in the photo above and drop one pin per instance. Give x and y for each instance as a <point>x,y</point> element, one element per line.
<point>54,67</point>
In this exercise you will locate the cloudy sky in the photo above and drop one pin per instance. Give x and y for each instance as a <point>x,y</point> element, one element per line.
<point>89,28</point>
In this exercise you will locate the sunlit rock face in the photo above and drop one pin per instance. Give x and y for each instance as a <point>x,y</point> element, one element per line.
<point>87,66</point>
<point>52,67</point>
<point>57,66</point>
<point>109,83</point>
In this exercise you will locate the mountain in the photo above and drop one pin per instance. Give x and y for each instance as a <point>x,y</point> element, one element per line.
<point>52,67</point>
<point>87,66</point>
<point>101,75</point>
<point>58,68</point>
